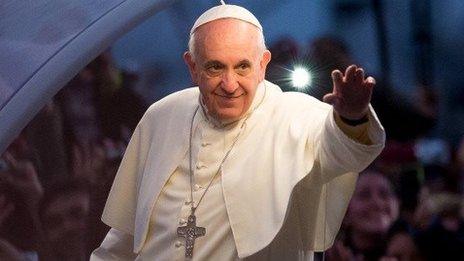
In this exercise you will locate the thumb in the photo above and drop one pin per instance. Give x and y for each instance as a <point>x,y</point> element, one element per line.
<point>330,98</point>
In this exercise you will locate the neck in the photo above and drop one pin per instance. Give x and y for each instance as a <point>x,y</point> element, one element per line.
<point>220,123</point>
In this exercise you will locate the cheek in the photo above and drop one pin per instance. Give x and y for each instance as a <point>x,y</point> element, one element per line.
<point>356,207</point>
<point>360,213</point>
<point>249,85</point>
<point>394,208</point>
<point>208,84</point>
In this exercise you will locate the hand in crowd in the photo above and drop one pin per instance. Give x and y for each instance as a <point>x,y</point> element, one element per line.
<point>88,162</point>
<point>351,93</point>
<point>21,176</point>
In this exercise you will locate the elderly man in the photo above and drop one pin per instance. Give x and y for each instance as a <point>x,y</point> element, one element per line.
<point>235,168</point>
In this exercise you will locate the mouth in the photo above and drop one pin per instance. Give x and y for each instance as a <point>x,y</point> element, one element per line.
<point>229,96</point>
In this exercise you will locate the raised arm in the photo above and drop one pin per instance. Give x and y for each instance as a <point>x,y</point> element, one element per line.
<point>353,136</point>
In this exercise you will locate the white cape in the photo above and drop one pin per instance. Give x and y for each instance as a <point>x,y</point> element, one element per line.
<point>293,169</point>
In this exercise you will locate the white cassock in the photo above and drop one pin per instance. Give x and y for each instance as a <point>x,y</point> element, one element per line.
<point>281,194</point>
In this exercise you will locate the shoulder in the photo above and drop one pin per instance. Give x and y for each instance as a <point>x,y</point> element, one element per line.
<point>176,99</point>
<point>175,104</point>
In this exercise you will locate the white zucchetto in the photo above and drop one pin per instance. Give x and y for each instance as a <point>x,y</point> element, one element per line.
<point>226,11</point>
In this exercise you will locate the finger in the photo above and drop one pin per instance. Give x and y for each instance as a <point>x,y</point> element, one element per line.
<point>369,84</point>
<point>370,81</point>
<point>368,87</point>
<point>10,160</point>
<point>350,73</point>
<point>359,75</point>
<point>337,78</point>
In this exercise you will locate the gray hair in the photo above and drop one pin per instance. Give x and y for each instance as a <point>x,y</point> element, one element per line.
<point>193,39</point>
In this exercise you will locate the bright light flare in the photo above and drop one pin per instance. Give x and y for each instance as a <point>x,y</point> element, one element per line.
<point>301,78</point>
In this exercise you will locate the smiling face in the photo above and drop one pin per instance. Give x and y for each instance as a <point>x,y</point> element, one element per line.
<point>374,205</point>
<point>228,65</point>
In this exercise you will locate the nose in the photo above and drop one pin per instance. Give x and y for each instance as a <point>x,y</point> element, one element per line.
<point>377,202</point>
<point>229,83</point>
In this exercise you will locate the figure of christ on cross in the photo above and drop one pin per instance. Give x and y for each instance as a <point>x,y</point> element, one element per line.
<point>190,232</point>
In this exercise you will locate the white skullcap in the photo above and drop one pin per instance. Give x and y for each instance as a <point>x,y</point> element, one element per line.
<point>226,11</point>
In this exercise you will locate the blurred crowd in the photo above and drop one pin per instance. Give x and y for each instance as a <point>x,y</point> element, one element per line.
<point>56,175</point>
<point>408,204</point>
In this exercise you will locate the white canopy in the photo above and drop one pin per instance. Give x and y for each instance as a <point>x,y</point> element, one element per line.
<point>44,43</point>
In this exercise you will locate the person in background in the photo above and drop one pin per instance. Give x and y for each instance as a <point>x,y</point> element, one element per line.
<point>20,193</point>
<point>441,234</point>
<point>401,243</point>
<point>373,208</point>
<point>64,211</point>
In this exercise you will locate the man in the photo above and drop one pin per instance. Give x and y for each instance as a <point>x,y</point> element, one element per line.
<point>236,168</point>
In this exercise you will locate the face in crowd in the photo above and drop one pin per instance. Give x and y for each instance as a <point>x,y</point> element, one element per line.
<point>374,205</point>
<point>228,62</point>
<point>65,223</point>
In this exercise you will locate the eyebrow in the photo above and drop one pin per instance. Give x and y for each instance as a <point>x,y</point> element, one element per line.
<point>212,63</point>
<point>216,62</point>
<point>244,61</point>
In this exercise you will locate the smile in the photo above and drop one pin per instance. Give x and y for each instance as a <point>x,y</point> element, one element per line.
<point>229,96</point>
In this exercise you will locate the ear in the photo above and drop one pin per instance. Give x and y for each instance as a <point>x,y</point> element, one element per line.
<point>191,66</point>
<point>265,59</point>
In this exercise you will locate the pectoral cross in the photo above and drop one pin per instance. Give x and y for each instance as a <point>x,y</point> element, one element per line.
<point>190,232</point>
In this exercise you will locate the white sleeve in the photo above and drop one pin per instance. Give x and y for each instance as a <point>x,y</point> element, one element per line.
<point>117,245</point>
<point>339,154</point>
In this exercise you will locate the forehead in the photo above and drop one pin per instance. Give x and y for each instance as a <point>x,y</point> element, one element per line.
<point>227,38</point>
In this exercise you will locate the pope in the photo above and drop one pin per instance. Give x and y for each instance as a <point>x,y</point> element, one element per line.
<point>235,168</point>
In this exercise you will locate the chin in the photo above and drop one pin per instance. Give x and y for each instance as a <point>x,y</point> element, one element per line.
<point>227,117</point>
<point>229,114</point>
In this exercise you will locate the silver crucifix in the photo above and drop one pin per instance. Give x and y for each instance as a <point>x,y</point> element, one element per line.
<point>190,232</point>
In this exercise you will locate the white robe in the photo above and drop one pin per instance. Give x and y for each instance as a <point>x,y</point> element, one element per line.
<point>295,171</point>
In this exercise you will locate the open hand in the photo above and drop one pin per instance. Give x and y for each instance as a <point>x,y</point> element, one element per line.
<point>351,93</point>
<point>22,177</point>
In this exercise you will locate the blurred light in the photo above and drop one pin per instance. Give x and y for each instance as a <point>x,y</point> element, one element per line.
<point>301,78</point>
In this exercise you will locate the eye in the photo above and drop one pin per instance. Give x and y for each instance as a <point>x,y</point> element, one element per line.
<point>214,69</point>
<point>243,68</point>
<point>363,194</point>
